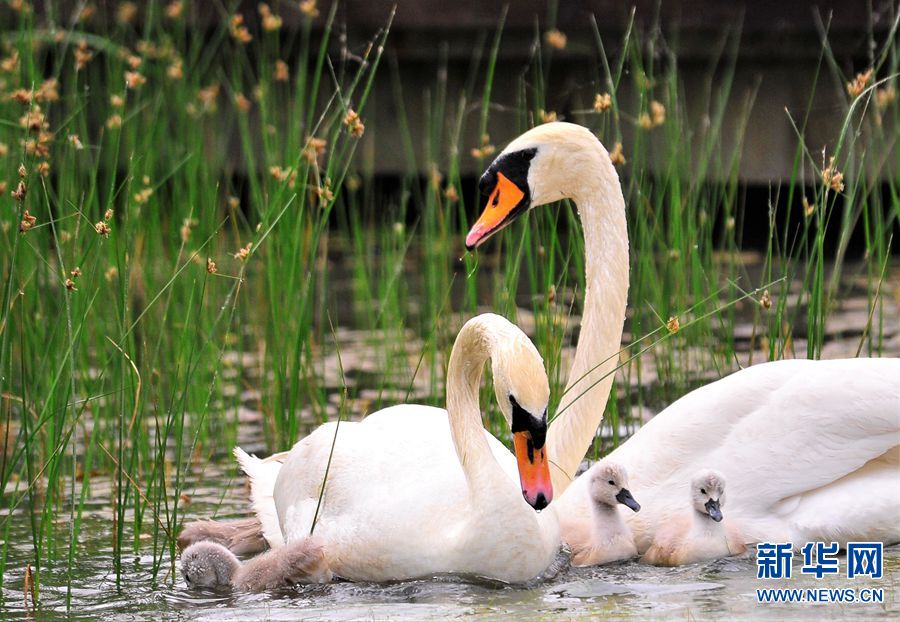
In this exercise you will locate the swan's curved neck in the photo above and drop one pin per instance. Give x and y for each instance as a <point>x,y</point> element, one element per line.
<point>602,209</point>
<point>474,345</point>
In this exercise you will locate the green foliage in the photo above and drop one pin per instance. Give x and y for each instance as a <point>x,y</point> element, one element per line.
<point>171,266</point>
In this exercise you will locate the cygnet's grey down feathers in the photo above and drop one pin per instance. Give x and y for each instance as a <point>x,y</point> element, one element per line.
<point>210,564</point>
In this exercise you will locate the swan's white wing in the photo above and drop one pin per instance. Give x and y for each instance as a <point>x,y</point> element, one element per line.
<point>784,434</point>
<point>397,503</point>
<point>263,472</point>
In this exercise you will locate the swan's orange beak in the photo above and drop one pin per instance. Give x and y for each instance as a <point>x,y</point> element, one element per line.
<point>500,210</point>
<point>534,470</point>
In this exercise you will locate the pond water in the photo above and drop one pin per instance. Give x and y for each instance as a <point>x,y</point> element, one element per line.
<point>716,590</point>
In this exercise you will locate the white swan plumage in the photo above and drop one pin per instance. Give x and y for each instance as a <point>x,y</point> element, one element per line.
<point>413,491</point>
<point>842,417</point>
<point>811,449</point>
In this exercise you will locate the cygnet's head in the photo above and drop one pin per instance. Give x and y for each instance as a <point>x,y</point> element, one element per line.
<point>708,493</point>
<point>208,564</point>
<point>609,485</point>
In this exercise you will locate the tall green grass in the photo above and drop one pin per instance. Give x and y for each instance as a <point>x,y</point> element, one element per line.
<point>133,374</point>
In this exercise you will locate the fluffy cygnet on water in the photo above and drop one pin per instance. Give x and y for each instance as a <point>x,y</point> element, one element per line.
<point>703,535</point>
<point>609,538</point>
<point>209,564</point>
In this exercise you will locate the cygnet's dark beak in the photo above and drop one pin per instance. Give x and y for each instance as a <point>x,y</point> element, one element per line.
<point>712,508</point>
<point>624,497</point>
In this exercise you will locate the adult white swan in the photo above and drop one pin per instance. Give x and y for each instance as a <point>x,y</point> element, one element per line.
<point>811,449</point>
<point>412,491</point>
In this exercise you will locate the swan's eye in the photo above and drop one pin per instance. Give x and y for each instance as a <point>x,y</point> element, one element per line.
<point>703,491</point>
<point>611,483</point>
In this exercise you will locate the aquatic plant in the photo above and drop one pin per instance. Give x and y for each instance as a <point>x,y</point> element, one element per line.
<point>163,277</point>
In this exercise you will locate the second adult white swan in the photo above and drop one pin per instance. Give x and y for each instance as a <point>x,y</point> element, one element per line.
<point>810,448</point>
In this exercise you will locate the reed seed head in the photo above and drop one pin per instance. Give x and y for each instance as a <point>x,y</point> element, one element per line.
<point>856,86</point>
<point>281,71</point>
<point>832,177</point>
<point>308,8</point>
<point>673,326</point>
<point>617,156</point>
<point>103,228</point>
<point>555,39</point>
<point>602,102</point>
<point>238,31</point>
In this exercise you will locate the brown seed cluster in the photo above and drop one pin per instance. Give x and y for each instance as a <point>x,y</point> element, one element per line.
<point>546,116</point>
<point>353,124</point>
<point>856,86</point>
<point>21,189</point>
<point>243,252</point>
<point>126,13</point>
<point>308,8</point>
<point>242,103</point>
<point>70,280</point>
<point>174,9</point>
<point>324,193</point>
<point>143,195</point>
<point>885,96</point>
<point>808,208</point>
<point>238,31</point>
<point>208,96</point>
<point>28,221</point>
<point>270,21</point>
<point>555,39</point>
<point>617,156</point>
<point>654,118</point>
<point>10,64</point>
<point>673,325</point>
<point>83,55</point>
<point>281,71</point>
<point>187,227</point>
<point>314,148</point>
<point>134,80</point>
<point>485,150</point>
<point>832,177</point>
<point>102,227</point>
<point>280,174</point>
<point>602,102</point>
<point>175,70</point>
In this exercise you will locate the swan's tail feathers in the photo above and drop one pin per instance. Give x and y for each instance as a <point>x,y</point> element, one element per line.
<point>241,537</point>
<point>263,473</point>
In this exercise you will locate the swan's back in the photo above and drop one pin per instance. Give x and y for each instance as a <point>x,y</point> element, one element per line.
<point>793,438</point>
